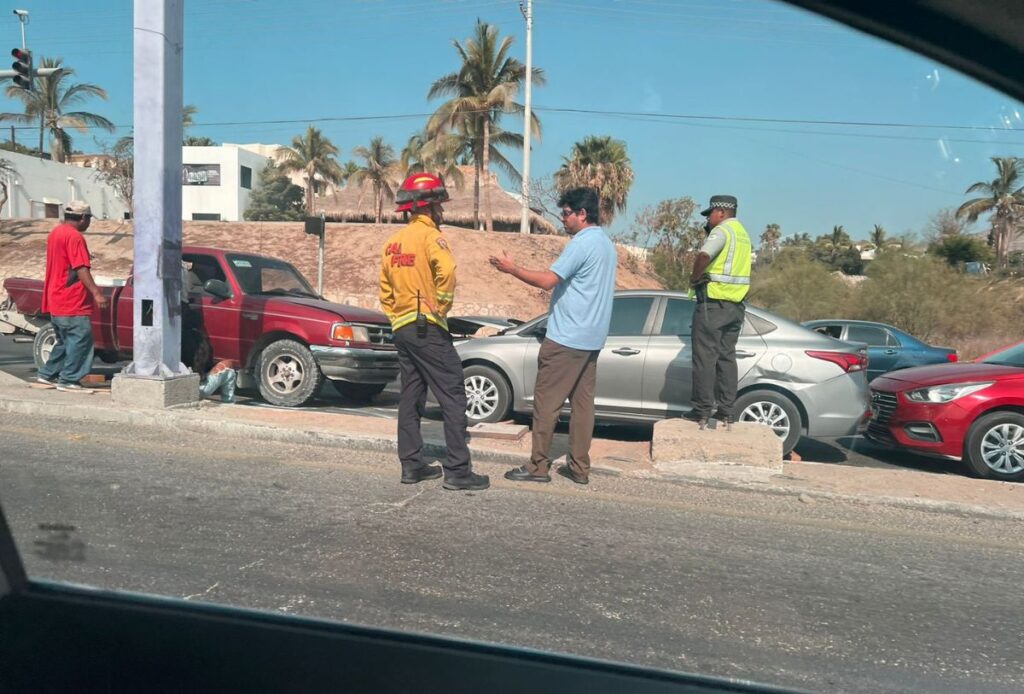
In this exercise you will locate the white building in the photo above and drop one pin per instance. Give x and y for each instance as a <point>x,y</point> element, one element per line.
<point>38,188</point>
<point>218,181</point>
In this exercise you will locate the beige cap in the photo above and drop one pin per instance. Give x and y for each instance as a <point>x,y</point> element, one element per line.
<point>78,207</point>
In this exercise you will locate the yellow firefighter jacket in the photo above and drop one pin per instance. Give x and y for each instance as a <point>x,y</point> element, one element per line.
<point>417,258</point>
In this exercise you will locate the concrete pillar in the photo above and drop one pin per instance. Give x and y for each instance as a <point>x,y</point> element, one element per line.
<point>159,32</point>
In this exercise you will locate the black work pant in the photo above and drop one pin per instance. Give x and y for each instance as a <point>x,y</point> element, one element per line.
<point>716,328</point>
<point>423,362</point>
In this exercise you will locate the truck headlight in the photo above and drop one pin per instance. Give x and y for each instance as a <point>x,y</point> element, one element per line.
<point>945,393</point>
<point>346,332</point>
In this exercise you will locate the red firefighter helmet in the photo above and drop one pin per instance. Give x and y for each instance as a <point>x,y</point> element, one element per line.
<point>419,190</point>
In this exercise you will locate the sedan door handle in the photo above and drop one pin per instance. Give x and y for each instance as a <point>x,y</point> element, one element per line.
<point>743,354</point>
<point>890,351</point>
<point>626,351</point>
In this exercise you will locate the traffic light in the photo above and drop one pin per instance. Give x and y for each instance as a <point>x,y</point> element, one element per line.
<point>23,66</point>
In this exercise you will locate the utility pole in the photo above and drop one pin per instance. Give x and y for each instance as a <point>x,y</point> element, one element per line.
<point>156,377</point>
<point>524,223</point>
<point>320,257</point>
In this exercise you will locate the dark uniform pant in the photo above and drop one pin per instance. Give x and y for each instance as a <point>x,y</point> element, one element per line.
<point>715,332</point>
<point>432,362</point>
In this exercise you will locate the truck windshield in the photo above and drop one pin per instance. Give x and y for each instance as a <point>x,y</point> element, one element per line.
<point>266,276</point>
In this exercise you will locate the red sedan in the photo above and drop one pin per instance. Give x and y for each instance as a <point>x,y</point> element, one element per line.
<point>971,411</point>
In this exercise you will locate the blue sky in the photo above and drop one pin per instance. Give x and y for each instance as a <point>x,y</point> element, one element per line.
<point>721,61</point>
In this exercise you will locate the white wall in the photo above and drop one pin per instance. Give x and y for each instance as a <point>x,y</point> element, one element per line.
<point>229,199</point>
<point>39,181</point>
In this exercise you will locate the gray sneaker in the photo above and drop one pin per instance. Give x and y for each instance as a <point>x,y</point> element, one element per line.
<point>45,381</point>
<point>73,388</point>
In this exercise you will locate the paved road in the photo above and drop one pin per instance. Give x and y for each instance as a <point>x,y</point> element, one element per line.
<point>821,596</point>
<point>16,358</point>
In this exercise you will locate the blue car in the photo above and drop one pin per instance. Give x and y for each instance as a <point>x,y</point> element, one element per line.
<point>889,348</point>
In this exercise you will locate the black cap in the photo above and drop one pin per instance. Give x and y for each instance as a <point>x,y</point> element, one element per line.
<point>726,202</point>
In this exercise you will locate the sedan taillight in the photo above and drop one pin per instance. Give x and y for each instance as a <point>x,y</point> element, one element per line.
<point>952,357</point>
<point>847,361</point>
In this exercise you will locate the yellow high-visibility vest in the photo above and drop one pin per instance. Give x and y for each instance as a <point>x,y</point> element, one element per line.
<point>729,272</point>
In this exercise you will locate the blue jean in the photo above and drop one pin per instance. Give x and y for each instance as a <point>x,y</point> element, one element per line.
<point>71,358</point>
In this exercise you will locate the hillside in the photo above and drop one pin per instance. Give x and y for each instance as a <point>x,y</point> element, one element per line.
<point>352,258</point>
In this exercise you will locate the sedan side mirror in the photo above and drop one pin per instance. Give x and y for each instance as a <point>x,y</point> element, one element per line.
<point>217,288</point>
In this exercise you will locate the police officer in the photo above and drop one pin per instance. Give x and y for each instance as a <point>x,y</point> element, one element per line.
<point>417,288</point>
<point>721,280</point>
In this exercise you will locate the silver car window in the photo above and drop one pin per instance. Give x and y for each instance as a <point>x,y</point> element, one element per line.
<point>629,315</point>
<point>678,317</point>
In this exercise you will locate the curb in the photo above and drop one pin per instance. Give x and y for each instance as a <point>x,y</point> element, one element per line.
<point>185,420</point>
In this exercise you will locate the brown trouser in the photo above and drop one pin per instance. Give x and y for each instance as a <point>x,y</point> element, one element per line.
<point>563,373</point>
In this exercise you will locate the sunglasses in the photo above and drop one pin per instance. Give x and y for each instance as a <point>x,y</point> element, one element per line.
<point>569,213</point>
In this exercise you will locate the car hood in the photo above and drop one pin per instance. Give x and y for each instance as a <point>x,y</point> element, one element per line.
<point>306,306</point>
<point>938,374</point>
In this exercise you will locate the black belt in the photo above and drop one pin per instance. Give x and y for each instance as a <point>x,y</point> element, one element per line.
<point>720,302</point>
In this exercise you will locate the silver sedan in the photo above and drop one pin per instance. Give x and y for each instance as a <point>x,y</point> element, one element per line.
<point>792,379</point>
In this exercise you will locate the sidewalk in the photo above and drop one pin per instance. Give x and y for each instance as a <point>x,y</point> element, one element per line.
<point>808,481</point>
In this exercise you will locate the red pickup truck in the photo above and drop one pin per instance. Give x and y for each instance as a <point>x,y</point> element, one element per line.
<point>260,312</point>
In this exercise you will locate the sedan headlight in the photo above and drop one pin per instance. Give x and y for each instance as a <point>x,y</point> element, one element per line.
<point>945,393</point>
<point>349,333</point>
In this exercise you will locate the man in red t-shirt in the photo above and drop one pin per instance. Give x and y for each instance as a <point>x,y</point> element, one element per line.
<point>69,294</point>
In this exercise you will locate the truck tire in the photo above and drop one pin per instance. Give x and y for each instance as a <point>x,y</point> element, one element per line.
<point>772,409</point>
<point>46,338</point>
<point>359,392</point>
<point>287,374</point>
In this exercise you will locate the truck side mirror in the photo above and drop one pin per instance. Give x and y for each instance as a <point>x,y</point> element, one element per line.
<point>217,288</point>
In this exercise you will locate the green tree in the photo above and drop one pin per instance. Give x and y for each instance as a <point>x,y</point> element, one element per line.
<point>599,162</point>
<point>797,287</point>
<point>837,251</point>
<point>119,170</point>
<point>6,169</point>
<point>802,240</point>
<point>194,141</point>
<point>483,89</point>
<point>313,155</point>
<point>347,170</point>
<point>672,235</point>
<point>50,104</point>
<point>1003,197</point>
<point>276,198</point>
<point>957,250</point>
<point>380,168</point>
<point>440,155</point>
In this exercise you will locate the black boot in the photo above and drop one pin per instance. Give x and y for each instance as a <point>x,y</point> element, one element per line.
<point>420,474</point>
<point>471,482</point>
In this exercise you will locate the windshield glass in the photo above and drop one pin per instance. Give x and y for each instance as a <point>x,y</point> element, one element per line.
<point>258,275</point>
<point>1011,356</point>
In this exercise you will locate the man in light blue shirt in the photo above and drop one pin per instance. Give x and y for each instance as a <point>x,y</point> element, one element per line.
<point>583,280</point>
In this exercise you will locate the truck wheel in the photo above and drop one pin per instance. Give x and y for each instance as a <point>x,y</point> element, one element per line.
<point>359,392</point>
<point>288,374</point>
<point>771,409</point>
<point>488,394</point>
<point>46,338</point>
<point>994,448</point>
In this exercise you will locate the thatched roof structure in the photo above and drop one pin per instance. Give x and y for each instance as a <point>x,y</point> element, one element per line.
<point>356,204</point>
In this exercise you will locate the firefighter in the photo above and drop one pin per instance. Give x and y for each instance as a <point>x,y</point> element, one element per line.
<point>417,288</point>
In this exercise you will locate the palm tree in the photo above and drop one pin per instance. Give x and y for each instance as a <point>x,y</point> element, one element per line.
<point>482,90</point>
<point>1004,198</point>
<point>48,105</point>
<point>877,238</point>
<point>347,170</point>
<point>313,155</point>
<point>602,163</point>
<point>380,169</point>
<point>770,240</point>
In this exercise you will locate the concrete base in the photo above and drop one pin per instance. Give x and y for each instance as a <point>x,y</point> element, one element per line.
<point>678,446</point>
<point>507,432</point>
<point>161,393</point>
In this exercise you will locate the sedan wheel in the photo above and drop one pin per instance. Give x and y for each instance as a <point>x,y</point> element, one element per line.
<point>488,395</point>
<point>995,446</point>
<point>775,410</point>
